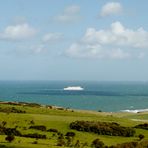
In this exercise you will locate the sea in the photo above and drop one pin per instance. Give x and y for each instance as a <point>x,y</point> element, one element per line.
<point>99,96</point>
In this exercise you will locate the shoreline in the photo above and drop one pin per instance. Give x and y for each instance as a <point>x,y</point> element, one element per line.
<point>71,109</point>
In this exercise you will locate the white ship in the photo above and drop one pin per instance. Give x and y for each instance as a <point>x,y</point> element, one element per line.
<point>74,88</point>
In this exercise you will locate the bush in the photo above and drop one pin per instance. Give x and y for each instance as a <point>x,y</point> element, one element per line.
<point>10,138</point>
<point>38,127</point>
<point>142,126</point>
<point>35,135</point>
<point>61,142</point>
<point>11,110</point>
<point>52,130</point>
<point>70,134</point>
<point>97,144</point>
<point>35,142</point>
<point>141,137</point>
<point>103,128</point>
<point>14,131</point>
<point>9,131</point>
<point>128,145</point>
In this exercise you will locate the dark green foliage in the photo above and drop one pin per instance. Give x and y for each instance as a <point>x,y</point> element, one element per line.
<point>70,134</point>
<point>133,144</point>
<point>9,131</point>
<point>97,144</point>
<point>32,104</point>
<point>38,127</point>
<point>60,136</point>
<point>35,135</point>
<point>103,128</point>
<point>11,110</point>
<point>14,131</point>
<point>141,137</point>
<point>10,138</point>
<point>35,142</point>
<point>128,145</point>
<point>142,126</point>
<point>52,130</point>
<point>61,142</point>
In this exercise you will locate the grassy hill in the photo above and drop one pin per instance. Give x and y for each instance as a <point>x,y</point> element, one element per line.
<point>22,116</point>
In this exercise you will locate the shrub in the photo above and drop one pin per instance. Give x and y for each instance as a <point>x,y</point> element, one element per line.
<point>52,130</point>
<point>35,142</point>
<point>70,134</point>
<point>103,128</point>
<point>35,135</point>
<point>142,126</point>
<point>97,144</point>
<point>10,138</point>
<point>9,131</point>
<point>11,110</point>
<point>61,142</point>
<point>38,127</point>
<point>128,145</point>
<point>141,137</point>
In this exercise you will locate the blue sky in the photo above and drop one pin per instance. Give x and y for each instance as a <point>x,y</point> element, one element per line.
<point>99,40</point>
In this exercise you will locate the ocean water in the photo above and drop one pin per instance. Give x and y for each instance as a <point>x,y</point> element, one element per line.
<point>105,96</point>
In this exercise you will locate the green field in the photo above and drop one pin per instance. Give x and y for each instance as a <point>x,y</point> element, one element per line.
<point>60,120</point>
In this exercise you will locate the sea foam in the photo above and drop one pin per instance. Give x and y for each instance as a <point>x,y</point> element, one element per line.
<point>135,111</point>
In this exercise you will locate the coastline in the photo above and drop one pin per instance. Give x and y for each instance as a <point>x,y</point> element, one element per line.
<point>71,109</point>
<point>24,115</point>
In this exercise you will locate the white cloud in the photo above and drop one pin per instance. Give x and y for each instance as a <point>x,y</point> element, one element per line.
<point>83,50</point>
<point>118,35</point>
<point>111,8</point>
<point>52,37</point>
<point>17,32</point>
<point>70,14</point>
<point>117,42</point>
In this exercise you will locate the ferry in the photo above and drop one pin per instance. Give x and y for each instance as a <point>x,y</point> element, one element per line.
<point>74,88</point>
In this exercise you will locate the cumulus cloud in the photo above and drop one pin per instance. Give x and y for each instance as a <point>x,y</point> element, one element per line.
<point>111,8</point>
<point>113,43</point>
<point>17,32</point>
<point>52,37</point>
<point>69,15</point>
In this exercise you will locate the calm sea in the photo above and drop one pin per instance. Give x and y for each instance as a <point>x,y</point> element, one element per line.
<point>105,96</point>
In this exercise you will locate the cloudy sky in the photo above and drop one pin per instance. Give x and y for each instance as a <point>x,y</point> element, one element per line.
<point>74,40</point>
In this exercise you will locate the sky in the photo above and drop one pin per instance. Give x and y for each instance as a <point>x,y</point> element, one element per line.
<point>97,40</point>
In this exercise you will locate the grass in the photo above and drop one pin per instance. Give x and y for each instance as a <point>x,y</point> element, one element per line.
<point>60,119</point>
